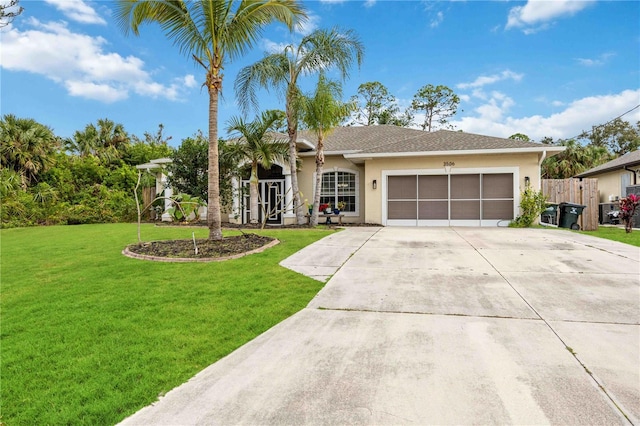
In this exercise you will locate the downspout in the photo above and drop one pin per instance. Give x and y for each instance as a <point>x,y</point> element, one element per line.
<point>635,174</point>
<point>544,155</point>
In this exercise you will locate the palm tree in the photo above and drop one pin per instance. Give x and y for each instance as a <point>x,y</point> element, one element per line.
<point>26,147</point>
<point>321,113</point>
<point>106,140</point>
<point>574,160</point>
<point>257,146</point>
<point>318,51</point>
<point>211,32</point>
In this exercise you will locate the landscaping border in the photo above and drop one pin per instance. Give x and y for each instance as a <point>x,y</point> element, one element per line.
<point>133,255</point>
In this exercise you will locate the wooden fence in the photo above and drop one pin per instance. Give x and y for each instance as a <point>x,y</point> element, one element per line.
<point>575,191</point>
<point>148,194</point>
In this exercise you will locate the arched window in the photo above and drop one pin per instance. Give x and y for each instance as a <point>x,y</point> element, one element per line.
<point>340,186</point>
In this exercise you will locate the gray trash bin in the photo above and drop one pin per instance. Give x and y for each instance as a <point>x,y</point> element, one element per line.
<point>550,215</point>
<point>569,214</point>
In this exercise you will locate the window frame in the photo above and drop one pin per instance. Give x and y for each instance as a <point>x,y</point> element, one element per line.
<point>356,177</point>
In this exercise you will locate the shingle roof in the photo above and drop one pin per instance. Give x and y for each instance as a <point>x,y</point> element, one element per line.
<point>394,139</point>
<point>629,159</point>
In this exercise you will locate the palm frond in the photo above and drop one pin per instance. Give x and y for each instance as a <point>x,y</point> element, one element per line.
<point>271,72</point>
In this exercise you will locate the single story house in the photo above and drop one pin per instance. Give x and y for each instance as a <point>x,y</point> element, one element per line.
<point>616,176</point>
<point>392,175</point>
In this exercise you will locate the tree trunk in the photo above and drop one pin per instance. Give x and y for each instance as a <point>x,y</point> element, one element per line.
<point>292,130</point>
<point>214,221</point>
<point>313,221</point>
<point>253,194</point>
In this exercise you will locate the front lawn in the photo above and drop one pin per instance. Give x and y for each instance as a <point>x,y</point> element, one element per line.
<point>90,336</point>
<point>616,234</point>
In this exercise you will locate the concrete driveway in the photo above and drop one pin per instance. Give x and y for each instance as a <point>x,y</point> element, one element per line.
<point>438,326</point>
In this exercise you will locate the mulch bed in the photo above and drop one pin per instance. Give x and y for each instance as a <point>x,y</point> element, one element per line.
<point>228,247</point>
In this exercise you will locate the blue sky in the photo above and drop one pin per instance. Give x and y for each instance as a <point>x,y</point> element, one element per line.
<point>543,68</point>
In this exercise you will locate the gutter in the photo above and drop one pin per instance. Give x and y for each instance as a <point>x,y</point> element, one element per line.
<point>453,152</point>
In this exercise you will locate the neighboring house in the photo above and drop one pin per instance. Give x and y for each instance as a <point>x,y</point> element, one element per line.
<point>392,175</point>
<point>615,176</point>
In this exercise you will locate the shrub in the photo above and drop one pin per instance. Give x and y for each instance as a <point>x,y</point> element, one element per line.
<point>628,206</point>
<point>532,204</point>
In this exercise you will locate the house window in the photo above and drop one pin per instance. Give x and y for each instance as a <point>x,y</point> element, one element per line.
<point>340,187</point>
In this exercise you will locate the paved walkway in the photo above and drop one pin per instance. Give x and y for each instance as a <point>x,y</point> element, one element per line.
<point>439,326</point>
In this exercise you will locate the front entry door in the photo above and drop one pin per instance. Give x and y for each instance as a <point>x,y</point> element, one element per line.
<point>270,201</point>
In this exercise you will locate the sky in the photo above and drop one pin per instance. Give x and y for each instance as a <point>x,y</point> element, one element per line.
<point>542,68</point>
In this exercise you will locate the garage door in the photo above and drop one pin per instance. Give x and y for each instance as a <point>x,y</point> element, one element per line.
<point>482,199</point>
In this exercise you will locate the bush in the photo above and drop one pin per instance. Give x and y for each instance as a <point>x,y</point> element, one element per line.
<point>532,204</point>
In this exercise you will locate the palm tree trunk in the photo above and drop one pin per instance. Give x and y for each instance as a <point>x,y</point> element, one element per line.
<point>253,194</point>
<point>292,130</point>
<point>313,221</point>
<point>214,221</point>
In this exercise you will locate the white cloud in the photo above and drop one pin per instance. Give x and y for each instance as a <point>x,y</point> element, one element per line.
<point>600,60</point>
<point>369,3</point>
<point>190,81</point>
<point>99,92</point>
<point>79,63</point>
<point>271,46</point>
<point>78,11</point>
<point>537,14</point>
<point>484,80</point>
<point>579,115</point>
<point>435,22</point>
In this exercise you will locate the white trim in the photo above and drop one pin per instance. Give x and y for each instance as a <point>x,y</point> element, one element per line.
<point>329,153</point>
<point>455,152</point>
<point>439,172</point>
<point>303,141</point>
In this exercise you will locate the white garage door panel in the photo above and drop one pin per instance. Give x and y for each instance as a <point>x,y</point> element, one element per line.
<point>472,199</point>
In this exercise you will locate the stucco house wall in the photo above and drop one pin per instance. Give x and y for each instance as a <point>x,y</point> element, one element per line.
<point>610,185</point>
<point>306,182</point>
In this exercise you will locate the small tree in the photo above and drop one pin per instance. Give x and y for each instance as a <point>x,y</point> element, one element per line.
<point>187,172</point>
<point>628,206</point>
<point>372,100</point>
<point>438,104</point>
<point>257,146</point>
<point>322,112</point>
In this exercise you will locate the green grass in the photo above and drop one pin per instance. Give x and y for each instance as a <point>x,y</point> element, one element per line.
<point>90,336</point>
<point>617,234</point>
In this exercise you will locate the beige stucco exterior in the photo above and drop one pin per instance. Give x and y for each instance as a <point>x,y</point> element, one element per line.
<point>610,184</point>
<point>374,154</point>
<point>306,182</point>
<point>371,200</point>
